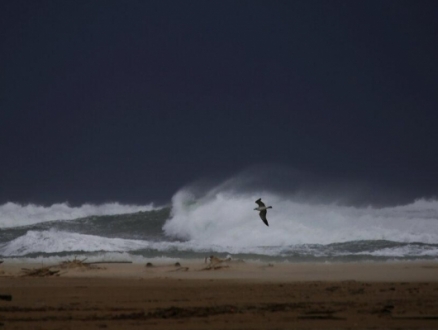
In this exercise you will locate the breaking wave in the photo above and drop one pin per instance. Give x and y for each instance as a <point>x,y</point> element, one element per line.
<point>224,215</point>
<point>14,215</point>
<point>309,221</point>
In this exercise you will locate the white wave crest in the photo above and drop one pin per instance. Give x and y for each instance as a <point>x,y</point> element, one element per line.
<point>55,242</point>
<point>227,218</point>
<point>98,257</point>
<point>14,215</point>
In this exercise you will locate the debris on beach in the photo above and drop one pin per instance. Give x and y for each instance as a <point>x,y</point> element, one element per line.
<point>216,263</point>
<point>77,263</point>
<point>39,272</point>
<point>149,264</point>
<point>180,269</point>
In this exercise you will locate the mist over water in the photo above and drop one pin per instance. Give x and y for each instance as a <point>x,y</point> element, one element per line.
<point>311,220</point>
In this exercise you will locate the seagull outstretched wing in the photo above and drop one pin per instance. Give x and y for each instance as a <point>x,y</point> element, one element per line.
<point>263,217</point>
<point>260,203</point>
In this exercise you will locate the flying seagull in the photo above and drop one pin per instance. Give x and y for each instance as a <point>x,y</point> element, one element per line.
<point>262,208</point>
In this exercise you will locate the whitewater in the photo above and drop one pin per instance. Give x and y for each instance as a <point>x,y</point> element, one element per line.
<point>220,219</point>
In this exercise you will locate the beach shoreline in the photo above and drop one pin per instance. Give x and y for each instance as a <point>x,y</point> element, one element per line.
<point>234,295</point>
<point>413,271</point>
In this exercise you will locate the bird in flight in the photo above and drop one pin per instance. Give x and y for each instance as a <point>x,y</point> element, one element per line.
<point>262,208</point>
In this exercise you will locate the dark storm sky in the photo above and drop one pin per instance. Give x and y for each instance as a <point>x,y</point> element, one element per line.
<point>130,100</point>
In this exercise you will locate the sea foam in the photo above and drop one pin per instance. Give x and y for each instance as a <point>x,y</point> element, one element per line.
<point>53,241</point>
<point>14,215</point>
<point>227,218</point>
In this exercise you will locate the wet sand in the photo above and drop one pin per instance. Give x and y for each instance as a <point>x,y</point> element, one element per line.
<point>233,296</point>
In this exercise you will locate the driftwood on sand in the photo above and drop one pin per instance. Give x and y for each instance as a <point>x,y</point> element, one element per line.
<point>75,263</point>
<point>216,263</point>
<point>109,262</point>
<point>81,264</point>
<point>39,272</point>
<point>180,269</point>
<point>68,264</point>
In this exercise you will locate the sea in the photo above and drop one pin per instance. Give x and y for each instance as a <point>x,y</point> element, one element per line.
<point>221,221</point>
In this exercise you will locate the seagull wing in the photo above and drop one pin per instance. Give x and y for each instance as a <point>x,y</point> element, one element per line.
<point>260,203</point>
<point>263,217</point>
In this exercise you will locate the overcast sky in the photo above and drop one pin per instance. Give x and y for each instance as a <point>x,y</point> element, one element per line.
<point>130,100</point>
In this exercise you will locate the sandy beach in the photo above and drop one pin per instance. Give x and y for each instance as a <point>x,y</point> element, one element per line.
<point>235,295</point>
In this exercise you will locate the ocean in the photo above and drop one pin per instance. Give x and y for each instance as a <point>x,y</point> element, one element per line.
<point>222,222</point>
